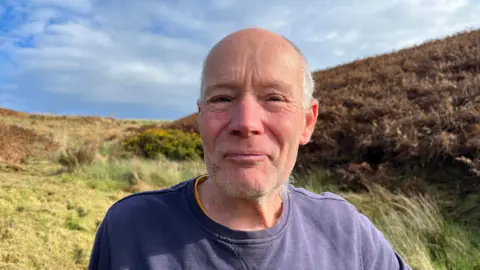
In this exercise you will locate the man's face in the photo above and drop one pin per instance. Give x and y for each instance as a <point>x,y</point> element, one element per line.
<point>252,119</point>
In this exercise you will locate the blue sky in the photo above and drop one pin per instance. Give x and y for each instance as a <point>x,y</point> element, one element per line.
<point>142,59</point>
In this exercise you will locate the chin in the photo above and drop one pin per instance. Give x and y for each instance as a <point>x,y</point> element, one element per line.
<point>245,182</point>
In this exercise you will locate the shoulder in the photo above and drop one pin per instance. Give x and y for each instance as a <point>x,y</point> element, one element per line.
<point>304,197</point>
<point>327,211</point>
<point>342,221</point>
<point>142,203</point>
<point>316,196</point>
<point>336,207</point>
<point>331,212</point>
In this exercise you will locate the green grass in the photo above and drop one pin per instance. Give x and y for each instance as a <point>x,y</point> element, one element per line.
<point>418,231</point>
<point>414,225</point>
<point>40,224</point>
<point>120,174</point>
<point>49,219</point>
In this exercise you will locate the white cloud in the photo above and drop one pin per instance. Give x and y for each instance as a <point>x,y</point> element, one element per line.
<point>83,6</point>
<point>30,28</point>
<point>150,52</point>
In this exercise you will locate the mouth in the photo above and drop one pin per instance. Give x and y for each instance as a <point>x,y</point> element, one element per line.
<point>245,156</point>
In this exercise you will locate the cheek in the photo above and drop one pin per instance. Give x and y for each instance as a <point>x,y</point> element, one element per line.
<point>286,126</point>
<point>210,127</point>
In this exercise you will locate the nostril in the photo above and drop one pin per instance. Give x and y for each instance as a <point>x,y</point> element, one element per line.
<point>244,132</point>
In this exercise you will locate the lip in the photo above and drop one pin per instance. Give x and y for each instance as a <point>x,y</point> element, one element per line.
<point>246,157</point>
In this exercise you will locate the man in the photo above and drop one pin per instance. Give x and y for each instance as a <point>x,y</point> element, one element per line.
<point>255,109</point>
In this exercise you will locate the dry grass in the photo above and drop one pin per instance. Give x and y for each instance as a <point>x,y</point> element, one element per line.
<point>7,112</point>
<point>416,228</point>
<point>416,105</point>
<point>77,155</point>
<point>17,143</point>
<point>78,127</point>
<point>48,224</point>
<point>25,135</point>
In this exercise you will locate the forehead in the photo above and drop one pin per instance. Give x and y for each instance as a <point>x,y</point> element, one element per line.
<point>253,62</point>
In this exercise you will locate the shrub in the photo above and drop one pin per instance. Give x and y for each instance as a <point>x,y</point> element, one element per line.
<point>171,143</point>
<point>77,155</point>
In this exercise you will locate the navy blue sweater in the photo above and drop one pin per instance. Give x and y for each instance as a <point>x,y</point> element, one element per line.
<point>166,229</point>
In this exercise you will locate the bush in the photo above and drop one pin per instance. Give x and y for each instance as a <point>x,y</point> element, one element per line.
<point>171,143</point>
<point>77,155</point>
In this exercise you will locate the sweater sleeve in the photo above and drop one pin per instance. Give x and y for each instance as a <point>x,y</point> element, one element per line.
<point>100,256</point>
<point>375,250</point>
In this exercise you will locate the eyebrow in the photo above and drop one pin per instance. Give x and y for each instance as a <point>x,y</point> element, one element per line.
<point>224,85</point>
<point>276,84</point>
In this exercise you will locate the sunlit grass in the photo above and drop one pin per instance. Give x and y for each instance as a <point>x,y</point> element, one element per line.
<point>46,223</point>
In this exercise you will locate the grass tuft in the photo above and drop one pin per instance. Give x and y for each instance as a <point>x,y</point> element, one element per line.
<point>77,155</point>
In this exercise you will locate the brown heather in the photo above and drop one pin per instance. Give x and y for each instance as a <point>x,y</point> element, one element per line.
<point>415,108</point>
<point>18,143</point>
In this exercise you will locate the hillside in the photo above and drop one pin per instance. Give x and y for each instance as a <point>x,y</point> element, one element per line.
<point>414,107</point>
<point>407,120</point>
<point>23,135</point>
<point>58,176</point>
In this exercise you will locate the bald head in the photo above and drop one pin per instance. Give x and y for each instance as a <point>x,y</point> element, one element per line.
<point>267,48</point>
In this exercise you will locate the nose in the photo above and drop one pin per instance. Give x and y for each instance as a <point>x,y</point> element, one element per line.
<point>246,118</point>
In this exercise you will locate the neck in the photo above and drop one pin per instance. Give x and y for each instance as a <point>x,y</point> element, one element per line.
<point>239,213</point>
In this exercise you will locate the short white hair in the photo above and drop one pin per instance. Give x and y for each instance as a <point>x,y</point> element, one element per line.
<point>308,82</point>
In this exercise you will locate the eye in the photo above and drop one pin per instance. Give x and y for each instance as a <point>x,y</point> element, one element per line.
<point>275,98</point>
<point>218,99</point>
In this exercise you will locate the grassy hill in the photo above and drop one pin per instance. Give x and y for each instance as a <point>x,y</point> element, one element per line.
<point>387,121</point>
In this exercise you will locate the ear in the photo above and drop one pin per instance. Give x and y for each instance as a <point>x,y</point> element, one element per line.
<point>310,120</point>
<point>199,110</point>
<point>199,105</point>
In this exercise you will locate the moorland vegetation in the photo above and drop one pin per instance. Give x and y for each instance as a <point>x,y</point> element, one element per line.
<point>398,136</point>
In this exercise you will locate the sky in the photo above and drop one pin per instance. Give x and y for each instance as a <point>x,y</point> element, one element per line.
<point>143,59</point>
